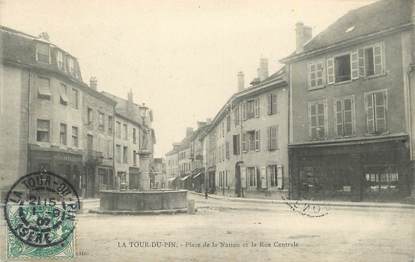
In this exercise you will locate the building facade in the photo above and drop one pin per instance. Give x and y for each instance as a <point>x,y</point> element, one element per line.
<point>351,121</point>
<point>47,85</point>
<point>52,120</point>
<point>246,143</point>
<point>134,143</point>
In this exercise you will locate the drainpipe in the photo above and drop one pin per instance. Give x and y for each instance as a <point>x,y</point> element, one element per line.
<point>114,175</point>
<point>411,69</point>
<point>28,164</point>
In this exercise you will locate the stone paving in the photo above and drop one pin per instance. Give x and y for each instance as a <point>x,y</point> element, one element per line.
<point>232,231</point>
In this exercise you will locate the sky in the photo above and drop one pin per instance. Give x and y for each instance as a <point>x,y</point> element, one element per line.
<point>179,57</point>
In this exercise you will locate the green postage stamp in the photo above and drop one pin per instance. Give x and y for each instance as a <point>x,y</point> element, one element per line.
<point>40,211</point>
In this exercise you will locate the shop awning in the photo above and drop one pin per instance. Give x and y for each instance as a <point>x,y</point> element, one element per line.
<point>198,174</point>
<point>171,179</point>
<point>184,178</point>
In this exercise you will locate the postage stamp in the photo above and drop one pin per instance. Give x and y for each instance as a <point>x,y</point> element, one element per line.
<point>40,210</point>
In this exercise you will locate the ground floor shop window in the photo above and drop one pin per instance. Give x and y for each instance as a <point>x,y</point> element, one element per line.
<point>381,178</point>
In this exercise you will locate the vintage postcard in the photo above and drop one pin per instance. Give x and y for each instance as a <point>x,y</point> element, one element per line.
<point>207,130</point>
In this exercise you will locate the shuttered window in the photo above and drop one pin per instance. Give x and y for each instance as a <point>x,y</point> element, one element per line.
<point>244,143</point>
<point>257,140</point>
<point>316,75</point>
<point>43,53</point>
<point>330,70</point>
<point>317,112</point>
<point>43,89</point>
<point>344,116</point>
<point>63,92</point>
<point>272,138</point>
<point>272,103</point>
<point>376,112</point>
<point>236,115</point>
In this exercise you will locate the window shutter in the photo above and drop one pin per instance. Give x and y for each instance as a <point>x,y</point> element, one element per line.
<point>274,108</point>
<point>370,121</point>
<point>280,177</point>
<point>380,111</point>
<point>361,54</point>
<point>269,96</point>
<point>244,142</point>
<point>264,177</point>
<point>326,122</point>
<point>378,58</point>
<point>257,140</point>
<point>257,106</point>
<point>269,138</point>
<point>310,124</point>
<point>276,138</point>
<point>338,117</point>
<point>330,70</point>
<point>354,64</point>
<point>309,72</point>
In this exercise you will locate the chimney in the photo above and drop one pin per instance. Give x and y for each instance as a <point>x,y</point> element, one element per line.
<point>303,34</point>
<point>241,81</point>
<point>189,131</point>
<point>44,36</point>
<point>93,82</point>
<point>263,69</point>
<point>130,104</point>
<point>200,124</point>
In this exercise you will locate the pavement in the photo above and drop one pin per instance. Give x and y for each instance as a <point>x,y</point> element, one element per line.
<point>246,230</point>
<point>307,202</point>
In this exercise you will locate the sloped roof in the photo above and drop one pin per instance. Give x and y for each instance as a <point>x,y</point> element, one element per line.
<point>373,18</point>
<point>278,77</point>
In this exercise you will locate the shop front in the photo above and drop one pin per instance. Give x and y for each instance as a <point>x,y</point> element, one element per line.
<point>360,170</point>
<point>63,163</point>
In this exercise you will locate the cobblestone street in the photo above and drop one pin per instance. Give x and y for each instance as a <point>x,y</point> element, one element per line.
<point>344,234</point>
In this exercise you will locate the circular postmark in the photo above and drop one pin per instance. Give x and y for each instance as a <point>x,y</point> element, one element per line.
<point>40,209</point>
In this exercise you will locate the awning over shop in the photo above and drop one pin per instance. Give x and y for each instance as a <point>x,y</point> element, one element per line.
<point>184,178</point>
<point>198,174</point>
<point>171,179</point>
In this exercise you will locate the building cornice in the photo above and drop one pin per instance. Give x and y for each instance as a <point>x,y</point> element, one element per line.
<point>346,43</point>
<point>40,69</point>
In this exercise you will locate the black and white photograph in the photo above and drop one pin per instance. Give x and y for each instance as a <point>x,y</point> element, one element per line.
<point>207,130</point>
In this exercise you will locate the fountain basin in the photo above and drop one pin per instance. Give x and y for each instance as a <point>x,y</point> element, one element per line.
<point>142,202</point>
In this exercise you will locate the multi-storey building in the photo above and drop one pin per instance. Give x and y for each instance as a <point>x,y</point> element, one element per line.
<point>134,143</point>
<point>246,143</point>
<point>196,156</point>
<point>42,109</point>
<point>172,162</point>
<point>50,119</point>
<point>351,105</point>
<point>158,178</point>
<point>185,160</point>
<point>98,133</point>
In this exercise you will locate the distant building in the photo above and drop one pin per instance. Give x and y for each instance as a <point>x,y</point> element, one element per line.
<point>158,177</point>
<point>134,143</point>
<point>246,143</point>
<point>172,166</point>
<point>351,106</point>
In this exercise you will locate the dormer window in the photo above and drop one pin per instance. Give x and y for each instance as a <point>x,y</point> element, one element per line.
<point>42,53</point>
<point>71,66</point>
<point>59,60</point>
